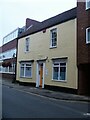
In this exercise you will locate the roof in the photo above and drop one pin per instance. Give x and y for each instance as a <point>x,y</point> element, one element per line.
<point>63,17</point>
<point>30,22</point>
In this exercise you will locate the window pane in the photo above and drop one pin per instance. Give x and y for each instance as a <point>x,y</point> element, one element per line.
<point>62,73</point>
<point>27,48</point>
<point>0,68</point>
<point>54,42</point>
<point>10,69</point>
<point>56,63</point>
<point>22,65</point>
<point>28,72</point>
<point>28,64</point>
<point>27,44</point>
<point>22,72</point>
<point>62,64</point>
<point>53,37</point>
<point>55,73</point>
<point>88,3</point>
<point>27,40</point>
<point>54,34</point>
<point>6,69</point>
<point>89,35</point>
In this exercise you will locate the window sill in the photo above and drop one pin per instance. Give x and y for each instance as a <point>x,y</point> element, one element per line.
<point>26,77</point>
<point>87,43</point>
<point>59,80</point>
<point>87,9</point>
<point>27,52</point>
<point>8,72</point>
<point>53,47</point>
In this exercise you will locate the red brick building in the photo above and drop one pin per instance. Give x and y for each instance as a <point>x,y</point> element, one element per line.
<point>8,54</point>
<point>8,50</point>
<point>83,46</point>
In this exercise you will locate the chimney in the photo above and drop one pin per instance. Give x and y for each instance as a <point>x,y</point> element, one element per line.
<point>28,22</point>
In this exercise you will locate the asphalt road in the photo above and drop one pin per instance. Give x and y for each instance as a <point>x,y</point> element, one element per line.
<point>20,104</point>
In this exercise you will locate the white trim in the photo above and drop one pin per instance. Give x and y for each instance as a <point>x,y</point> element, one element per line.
<point>87,35</point>
<point>87,5</point>
<point>28,38</point>
<point>59,80</point>
<point>8,72</point>
<point>25,69</point>
<point>54,29</point>
<point>25,77</point>
<point>43,74</point>
<point>37,78</point>
<point>37,74</point>
<point>59,71</point>
<point>51,47</point>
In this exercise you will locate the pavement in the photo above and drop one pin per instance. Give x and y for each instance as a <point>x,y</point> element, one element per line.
<point>45,92</point>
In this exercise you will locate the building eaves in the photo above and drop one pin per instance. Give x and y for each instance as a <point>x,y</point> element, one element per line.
<point>63,17</point>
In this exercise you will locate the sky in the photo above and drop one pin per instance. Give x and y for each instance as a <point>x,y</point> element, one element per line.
<point>13,13</point>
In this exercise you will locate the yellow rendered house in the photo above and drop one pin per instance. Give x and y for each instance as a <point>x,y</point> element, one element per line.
<point>46,53</point>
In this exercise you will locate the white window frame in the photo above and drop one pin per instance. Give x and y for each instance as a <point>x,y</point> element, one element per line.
<point>87,4</point>
<point>51,31</point>
<point>25,66</point>
<point>87,41</point>
<point>59,71</point>
<point>7,69</point>
<point>27,44</point>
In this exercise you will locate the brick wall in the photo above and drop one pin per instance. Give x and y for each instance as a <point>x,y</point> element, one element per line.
<point>83,21</point>
<point>83,49</point>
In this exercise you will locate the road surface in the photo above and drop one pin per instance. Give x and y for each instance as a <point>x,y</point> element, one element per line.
<point>20,104</point>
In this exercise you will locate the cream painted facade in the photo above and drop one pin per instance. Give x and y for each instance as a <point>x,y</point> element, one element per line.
<point>40,51</point>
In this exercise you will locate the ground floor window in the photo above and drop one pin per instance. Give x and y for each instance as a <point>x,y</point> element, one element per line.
<point>25,69</point>
<point>59,71</point>
<point>9,69</point>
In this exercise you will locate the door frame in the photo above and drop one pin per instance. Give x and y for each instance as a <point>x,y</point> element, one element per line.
<point>37,74</point>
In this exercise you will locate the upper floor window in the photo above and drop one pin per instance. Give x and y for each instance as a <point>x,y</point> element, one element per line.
<point>87,4</point>
<point>88,35</point>
<point>27,45</point>
<point>53,42</point>
<point>8,54</point>
<point>10,36</point>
